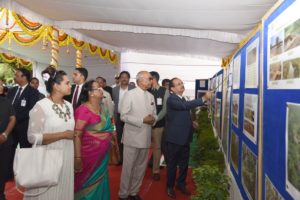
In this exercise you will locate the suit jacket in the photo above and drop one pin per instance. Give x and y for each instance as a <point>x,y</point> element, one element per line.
<point>115,97</point>
<point>69,97</point>
<point>135,105</point>
<point>179,122</point>
<point>25,103</point>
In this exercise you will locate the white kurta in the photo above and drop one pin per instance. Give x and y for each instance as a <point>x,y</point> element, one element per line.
<point>43,119</point>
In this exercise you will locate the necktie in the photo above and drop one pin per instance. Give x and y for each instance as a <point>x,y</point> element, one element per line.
<point>74,101</point>
<point>17,95</point>
<point>183,99</point>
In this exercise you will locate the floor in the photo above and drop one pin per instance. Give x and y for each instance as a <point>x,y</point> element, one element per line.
<point>150,189</point>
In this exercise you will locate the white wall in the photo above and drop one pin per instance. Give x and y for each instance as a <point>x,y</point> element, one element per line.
<point>186,68</point>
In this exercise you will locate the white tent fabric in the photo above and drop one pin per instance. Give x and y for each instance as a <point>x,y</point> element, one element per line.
<point>207,28</point>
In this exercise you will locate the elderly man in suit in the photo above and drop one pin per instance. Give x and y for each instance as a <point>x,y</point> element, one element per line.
<point>118,93</point>
<point>79,77</point>
<point>138,111</point>
<point>179,135</point>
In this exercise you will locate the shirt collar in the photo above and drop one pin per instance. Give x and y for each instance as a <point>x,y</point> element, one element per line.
<point>24,86</point>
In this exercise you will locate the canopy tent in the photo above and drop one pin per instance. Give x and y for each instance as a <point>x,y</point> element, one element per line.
<point>205,29</point>
<point>211,28</point>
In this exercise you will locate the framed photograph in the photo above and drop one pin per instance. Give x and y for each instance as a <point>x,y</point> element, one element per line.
<point>293,149</point>
<point>234,151</point>
<point>235,110</point>
<point>236,72</point>
<point>271,193</point>
<point>251,72</point>
<point>250,116</point>
<point>284,50</point>
<point>249,172</point>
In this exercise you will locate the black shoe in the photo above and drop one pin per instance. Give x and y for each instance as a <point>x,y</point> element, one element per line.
<point>184,190</point>
<point>171,193</point>
<point>156,177</point>
<point>135,197</point>
<point>123,198</point>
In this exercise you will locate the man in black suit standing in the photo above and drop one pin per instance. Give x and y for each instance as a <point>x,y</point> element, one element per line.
<point>118,93</point>
<point>179,135</point>
<point>79,77</point>
<point>22,97</point>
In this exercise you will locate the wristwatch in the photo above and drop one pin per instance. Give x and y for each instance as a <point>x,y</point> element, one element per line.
<point>5,135</point>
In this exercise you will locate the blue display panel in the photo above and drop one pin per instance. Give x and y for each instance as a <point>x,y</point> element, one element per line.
<point>244,119</point>
<point>201,87</point>
<point>281,103</point>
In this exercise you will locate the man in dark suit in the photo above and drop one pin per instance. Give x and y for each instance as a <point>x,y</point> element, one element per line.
<point>179,135</point>
<point>118,93</point>
<point>23,98</point>
<point>79,77</point>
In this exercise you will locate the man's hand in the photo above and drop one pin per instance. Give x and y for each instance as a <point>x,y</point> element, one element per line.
<point>149,120</point>
<point>207,96</point>
<point>2,139</point>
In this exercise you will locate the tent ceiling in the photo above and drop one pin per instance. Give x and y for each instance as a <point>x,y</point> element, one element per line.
<point>209,28</point>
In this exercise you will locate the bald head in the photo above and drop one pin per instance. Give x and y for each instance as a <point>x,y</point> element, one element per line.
<point>143,80</point>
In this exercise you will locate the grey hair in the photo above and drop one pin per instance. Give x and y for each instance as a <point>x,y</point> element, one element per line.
<point>140,75</point>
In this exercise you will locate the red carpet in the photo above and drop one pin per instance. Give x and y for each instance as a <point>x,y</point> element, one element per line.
<point>150,189</point>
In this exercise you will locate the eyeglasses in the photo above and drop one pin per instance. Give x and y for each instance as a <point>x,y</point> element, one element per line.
<point>99,89</point>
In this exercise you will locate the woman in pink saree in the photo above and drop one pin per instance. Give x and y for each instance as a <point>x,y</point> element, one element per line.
<point>93,132</point>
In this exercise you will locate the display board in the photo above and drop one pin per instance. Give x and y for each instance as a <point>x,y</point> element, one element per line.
<point>243,123</point>
<point>201,87</point>
<point>281,103</point>
<point>216,85</point>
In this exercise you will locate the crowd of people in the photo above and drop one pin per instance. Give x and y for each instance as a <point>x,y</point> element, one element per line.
<point>86,118</point>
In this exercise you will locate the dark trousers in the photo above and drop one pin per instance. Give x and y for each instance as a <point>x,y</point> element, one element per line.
<point>5,154</point>
<point>120,127</point>
<point>178,155</point>
<point>164,146</point>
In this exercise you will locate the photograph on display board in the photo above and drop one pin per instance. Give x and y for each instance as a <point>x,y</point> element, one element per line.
<point>234,151</point>
<point>271,192</point>
<point>201,93</point>
<point>291,69</point>
<point>284,50</point>
<point>275,71</point>
<point>236,72</point>
<point>235,110</point>
<point>226,121</point>
<point>249,172</point>
<point>276,44</point>
<point>250,116</point>
<point>293,149</point>
<point>202,84</point>
<point>229,76</point>
<point>220,81</point>
<point>251,80</point>
<point>218,117</point>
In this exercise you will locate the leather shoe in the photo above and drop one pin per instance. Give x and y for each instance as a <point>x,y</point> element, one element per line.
<point>135,197</point>
<point>123,198</point>
<point>156,177</point>
<point>171,193</point>
<point>183,190</point>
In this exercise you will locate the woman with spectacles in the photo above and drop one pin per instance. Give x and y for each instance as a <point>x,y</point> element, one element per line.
<point>93,133</point>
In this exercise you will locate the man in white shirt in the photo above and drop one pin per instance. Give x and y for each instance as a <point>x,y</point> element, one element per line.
<point>138,111</point>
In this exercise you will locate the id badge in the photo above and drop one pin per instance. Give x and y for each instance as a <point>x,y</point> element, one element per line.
<point>23,103</point>
<point>159,101</point>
